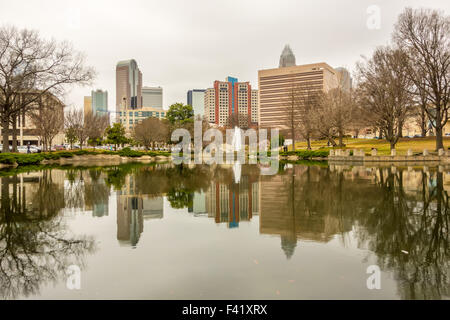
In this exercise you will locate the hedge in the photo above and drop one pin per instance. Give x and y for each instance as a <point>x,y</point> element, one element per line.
<point>36,158</point>
<point>307,154</point>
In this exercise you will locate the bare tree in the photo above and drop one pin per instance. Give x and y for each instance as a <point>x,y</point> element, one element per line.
<point>94,126</point>
<point>74,121</point>
<point>425,35</point>
<point>385,91</point>
<point>309,98</point>
<point>292,114</point>
<point>48,118</point>
<point>150,131</point>
<point>31,67</point>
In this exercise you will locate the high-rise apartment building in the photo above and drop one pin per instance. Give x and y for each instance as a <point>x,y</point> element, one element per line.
<point>196,99</point>
<point>128,85</point>
<point>275,85</point>
<point>229,99</point>
<point>152,97</point>
<point>99,99</point>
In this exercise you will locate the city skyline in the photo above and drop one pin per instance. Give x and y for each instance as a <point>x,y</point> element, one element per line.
<point>177,58</point>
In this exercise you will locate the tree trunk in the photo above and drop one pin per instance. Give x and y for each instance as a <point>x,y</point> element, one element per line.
<point>293,139</point>
<point>400,130</point>
<point>333,143</point>
<point>341,139</point>
<point>423,122</point>
<point>14,133</point>
<point>308,141</point>
<point>439,140</point>
<point>392,145</point>
<point>5,135</point>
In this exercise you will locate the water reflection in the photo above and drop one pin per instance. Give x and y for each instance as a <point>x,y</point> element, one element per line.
<point>35,246</point>
<point>400,215</point>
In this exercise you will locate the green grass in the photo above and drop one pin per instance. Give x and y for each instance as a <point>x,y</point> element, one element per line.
<point>415,144</point>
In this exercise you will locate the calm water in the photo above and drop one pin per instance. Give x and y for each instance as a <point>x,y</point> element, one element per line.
<point>168,232</point>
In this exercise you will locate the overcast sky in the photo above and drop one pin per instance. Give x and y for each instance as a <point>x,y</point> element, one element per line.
<point>181,45</point>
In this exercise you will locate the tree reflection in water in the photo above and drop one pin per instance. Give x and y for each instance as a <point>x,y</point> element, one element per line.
<point>409,234</point>
<point>400,215</point>
<point>35,246</point>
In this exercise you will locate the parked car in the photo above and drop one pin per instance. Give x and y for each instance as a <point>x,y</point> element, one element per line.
<point>59,147</point>
<point>1,148</point>
<point>22,149</point>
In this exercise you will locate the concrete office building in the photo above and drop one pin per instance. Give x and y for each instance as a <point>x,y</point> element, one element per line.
<point>128,85</point>
<point>196,99</point>
<point>229,98</point>
<point>26,130</point>
<point>152,97</point>
<point>276,84</point>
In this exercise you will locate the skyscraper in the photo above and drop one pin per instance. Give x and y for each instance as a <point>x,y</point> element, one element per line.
<point>99,102</point>
<point>287,58</point>
<point>152,97</point>
<point>231,98</point>
<point>196,99</point>
<point>345,80</point>
<point>128,85</point>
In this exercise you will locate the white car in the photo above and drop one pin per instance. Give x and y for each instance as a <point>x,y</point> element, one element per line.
<point>22,149</point>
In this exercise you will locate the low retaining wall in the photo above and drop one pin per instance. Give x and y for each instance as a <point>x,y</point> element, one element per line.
<point>360,156</point>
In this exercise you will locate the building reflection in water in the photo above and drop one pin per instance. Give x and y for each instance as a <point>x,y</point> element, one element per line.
<point>229,199</point>
<point>132,209</point>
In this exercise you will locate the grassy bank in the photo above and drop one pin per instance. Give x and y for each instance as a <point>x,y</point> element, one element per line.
<point>36,158</point>
<point>415,144</point>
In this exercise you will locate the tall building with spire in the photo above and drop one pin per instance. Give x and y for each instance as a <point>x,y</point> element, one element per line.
<point>287,58</point>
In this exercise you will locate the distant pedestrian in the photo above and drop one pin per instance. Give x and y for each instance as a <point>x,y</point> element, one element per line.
<point>28,148</point>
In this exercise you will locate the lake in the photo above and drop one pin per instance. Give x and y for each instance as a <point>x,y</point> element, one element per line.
<point>160,231</point>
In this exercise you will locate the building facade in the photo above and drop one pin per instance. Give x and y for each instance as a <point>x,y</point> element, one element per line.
<point>128,85</point>
<point>26,130</point>
<point>87,105</point>
<point>131,117</point>
<point>275,86</point>
<point>231,99</point>
<point>196,99</point>
<point>99,100</point>
<point>152,97</point>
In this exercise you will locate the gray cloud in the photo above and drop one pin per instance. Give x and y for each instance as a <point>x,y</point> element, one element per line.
<point>181,45</point>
